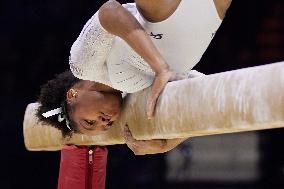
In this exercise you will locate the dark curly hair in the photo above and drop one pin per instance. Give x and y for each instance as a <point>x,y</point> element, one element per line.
<point>53,95</point>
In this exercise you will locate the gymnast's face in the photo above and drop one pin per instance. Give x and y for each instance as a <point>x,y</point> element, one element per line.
<point>94,111</point>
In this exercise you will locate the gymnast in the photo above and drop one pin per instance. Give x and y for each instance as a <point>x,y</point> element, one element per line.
<point>125,49</point>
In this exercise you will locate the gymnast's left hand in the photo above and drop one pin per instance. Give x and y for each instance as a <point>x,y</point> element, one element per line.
<point>160,81</point>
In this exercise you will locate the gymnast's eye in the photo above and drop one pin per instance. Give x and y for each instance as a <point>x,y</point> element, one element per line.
<point>90,122</point>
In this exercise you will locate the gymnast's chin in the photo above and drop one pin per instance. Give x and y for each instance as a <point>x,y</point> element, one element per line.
<point>78,106</point>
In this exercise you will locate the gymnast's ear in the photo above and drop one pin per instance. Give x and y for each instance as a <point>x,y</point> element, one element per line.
<point>71,95</point>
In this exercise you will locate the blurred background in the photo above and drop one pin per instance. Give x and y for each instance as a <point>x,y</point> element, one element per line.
<point>36,36</point>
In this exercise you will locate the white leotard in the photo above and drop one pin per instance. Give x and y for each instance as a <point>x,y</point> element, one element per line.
<point>181,39</point>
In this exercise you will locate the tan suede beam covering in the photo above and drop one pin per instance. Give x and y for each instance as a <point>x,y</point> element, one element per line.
<point>241,100</point>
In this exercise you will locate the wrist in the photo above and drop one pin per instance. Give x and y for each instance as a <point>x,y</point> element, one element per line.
<point>161,67</point>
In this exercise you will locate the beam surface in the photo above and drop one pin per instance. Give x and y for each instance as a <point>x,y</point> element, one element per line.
<point>241,100</point>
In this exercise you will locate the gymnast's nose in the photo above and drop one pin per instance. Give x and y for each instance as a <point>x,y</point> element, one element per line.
<point>104,120</point>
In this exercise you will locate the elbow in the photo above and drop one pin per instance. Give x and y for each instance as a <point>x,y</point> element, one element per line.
<point>108,14</point>
<point>109,9</point>
<point>116,20</point>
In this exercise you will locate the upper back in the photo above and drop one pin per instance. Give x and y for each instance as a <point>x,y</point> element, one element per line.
<point>159,10</point>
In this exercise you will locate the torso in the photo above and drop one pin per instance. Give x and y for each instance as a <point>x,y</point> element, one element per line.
<point>181,34</point>
<point>180,37</point>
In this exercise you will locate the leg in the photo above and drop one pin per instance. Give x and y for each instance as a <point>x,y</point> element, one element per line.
<point>79,167</point>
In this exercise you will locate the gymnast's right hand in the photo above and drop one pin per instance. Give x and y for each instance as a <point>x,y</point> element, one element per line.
<point>154,146</point>
<point>160,81</point>
<point>143,147</point>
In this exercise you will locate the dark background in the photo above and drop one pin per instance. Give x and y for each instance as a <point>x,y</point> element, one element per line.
<point>36,36</point>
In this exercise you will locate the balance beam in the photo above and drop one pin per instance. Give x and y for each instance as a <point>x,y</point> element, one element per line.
<point>242,100</point>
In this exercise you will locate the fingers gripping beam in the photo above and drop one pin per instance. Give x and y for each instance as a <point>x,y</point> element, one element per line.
<point>241,100</point>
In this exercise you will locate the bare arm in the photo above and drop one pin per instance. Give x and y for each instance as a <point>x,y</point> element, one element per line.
<point>142,147</point>
<point>222,7</point>
<point>118,21</point>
